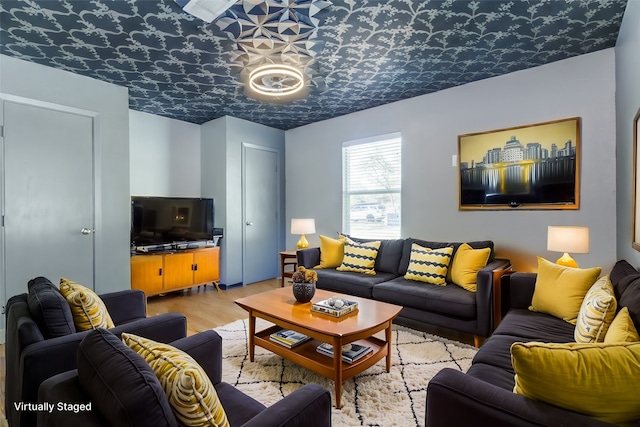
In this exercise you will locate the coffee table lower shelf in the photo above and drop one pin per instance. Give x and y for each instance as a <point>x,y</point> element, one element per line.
<point>306,356</point>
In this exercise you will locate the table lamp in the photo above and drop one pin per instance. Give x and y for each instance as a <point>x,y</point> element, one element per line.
<point>568,239</point>
<point>303,226</point>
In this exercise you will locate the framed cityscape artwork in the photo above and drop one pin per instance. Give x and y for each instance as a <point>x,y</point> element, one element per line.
<point>525,167</point>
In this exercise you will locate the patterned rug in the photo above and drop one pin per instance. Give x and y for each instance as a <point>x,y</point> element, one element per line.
<point>373,398</point>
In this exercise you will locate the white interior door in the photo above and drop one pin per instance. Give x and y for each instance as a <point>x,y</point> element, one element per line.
<point>261,205</point>
<point>48,192</point>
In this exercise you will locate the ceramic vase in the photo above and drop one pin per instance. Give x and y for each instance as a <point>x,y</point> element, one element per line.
<point>303,291</point>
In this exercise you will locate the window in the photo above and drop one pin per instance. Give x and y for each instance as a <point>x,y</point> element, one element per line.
<point>371,183</point>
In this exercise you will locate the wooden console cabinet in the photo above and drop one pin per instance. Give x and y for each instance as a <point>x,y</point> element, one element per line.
<point>172,271</point>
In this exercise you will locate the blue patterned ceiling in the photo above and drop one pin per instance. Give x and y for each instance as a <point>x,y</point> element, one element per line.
<point>364,54</point>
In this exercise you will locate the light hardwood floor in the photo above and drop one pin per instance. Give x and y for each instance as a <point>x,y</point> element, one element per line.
<point>207,309</point>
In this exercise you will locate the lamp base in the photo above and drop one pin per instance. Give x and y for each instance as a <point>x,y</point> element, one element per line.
<point>567,261</point>
<point>302,243</point>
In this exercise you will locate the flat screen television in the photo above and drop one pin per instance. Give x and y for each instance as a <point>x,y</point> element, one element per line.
<point>168,220</point>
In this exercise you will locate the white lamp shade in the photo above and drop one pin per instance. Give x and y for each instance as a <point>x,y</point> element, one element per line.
<point>572,239</point>
<point>303,226</point>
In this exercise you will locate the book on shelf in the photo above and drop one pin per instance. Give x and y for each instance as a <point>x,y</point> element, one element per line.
<point>289,338</point>
<point>325,306</point>
<point>356,352</point>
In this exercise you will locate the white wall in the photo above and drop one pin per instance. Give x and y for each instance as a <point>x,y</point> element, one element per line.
<point>627,105</point>
<point>222,141</point>
<point>165,156</point>
<point>583,86</point>
<point>111,105</point>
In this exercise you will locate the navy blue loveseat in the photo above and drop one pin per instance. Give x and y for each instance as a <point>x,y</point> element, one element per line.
<point>449,306</point>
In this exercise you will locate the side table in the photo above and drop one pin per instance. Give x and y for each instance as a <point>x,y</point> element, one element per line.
<point>287,258</point>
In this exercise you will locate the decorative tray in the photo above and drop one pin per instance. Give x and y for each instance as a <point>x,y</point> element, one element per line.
<point>336,307</point>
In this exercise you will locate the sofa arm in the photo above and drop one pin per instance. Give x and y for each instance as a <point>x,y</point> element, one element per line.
<point>308,258</point>
<point>307,406</point>
<point>206,349</point>
<point>487,281</point>
<point>125,306</point>
<point>457,399</point>
<point>65,387</point>
<point>165,327</point>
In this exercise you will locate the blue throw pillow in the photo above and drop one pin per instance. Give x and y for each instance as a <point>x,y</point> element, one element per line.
<point>121,385</point>
<point>49,308</point>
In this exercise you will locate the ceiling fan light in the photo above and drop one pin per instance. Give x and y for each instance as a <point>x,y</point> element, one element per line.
<point>274,73</point>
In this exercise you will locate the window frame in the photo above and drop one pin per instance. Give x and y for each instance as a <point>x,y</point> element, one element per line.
<point>347,194</point>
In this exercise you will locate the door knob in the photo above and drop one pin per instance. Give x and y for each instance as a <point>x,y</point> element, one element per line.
<point>86,231</point>
<point>249,223</point>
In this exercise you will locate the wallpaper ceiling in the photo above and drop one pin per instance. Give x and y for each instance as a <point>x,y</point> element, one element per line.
<point>356,54</point>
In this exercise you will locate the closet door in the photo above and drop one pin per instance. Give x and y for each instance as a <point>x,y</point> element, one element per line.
<point>48,191</point>
<point>261,209</point>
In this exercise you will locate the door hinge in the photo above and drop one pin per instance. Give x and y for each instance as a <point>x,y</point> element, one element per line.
<point>2,221</point>
<point>1,131</point>
<point>4,308</point>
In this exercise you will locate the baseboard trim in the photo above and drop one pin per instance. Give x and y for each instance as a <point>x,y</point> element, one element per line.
<point>224,286</point>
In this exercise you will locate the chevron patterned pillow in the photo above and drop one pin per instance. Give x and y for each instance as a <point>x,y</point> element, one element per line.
<point>359,257</point>
<point>429,265</point>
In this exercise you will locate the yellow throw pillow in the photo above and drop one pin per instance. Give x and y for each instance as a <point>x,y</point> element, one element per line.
<point>331,252</point>
<point>622,329</point>
<point>466,264</point>
<point>88,310</point>
<point>596,313</point>
<point>359,257</point>
<point>429,265</point>
<point>560,290</point>
<point>191,394</point>
<point>598,380</point>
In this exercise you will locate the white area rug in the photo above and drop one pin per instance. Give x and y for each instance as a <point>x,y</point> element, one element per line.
<point>373,398</point>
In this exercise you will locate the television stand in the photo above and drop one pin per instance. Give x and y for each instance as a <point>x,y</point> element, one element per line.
<point>157,273</point>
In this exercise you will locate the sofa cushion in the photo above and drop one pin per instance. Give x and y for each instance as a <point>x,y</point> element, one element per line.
<point>190,392</point>
<point>406,251</point>
<point>560,290</point>
<point>496,352</point>
<point>359,257</point>
<point>89,312</point>
<point>238,406</point>
<point>465,265</point>
<point>429,265</point>
<point>492,375</point>
<point>622,329</point>
<point>598,380</point>
<point>631,299</point>
<point>596,313</point>
<point>533,326</point>
<point>389,254</point>
<point>356,284</point>
<point>331,252</point>
<point>121,384</point>
<point>49,308</point>
<point>448,300</point>
<point>622,276</point>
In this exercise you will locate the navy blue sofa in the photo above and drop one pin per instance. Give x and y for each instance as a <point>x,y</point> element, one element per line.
<point>484,395</point>
<point>127,398</point>
<point>449,306</point>
<point>42,341</point>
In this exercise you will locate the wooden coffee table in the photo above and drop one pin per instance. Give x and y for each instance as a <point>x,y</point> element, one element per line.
<point>278,306</point>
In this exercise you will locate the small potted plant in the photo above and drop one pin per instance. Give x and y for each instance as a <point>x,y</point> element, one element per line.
<point>304,284</point>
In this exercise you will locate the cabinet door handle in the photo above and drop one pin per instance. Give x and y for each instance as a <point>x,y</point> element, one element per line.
<point>160,271</point>
<point>194,267</point>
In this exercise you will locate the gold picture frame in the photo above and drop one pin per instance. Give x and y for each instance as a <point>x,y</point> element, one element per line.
<point>636,186</point>
<point>533,166</point>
